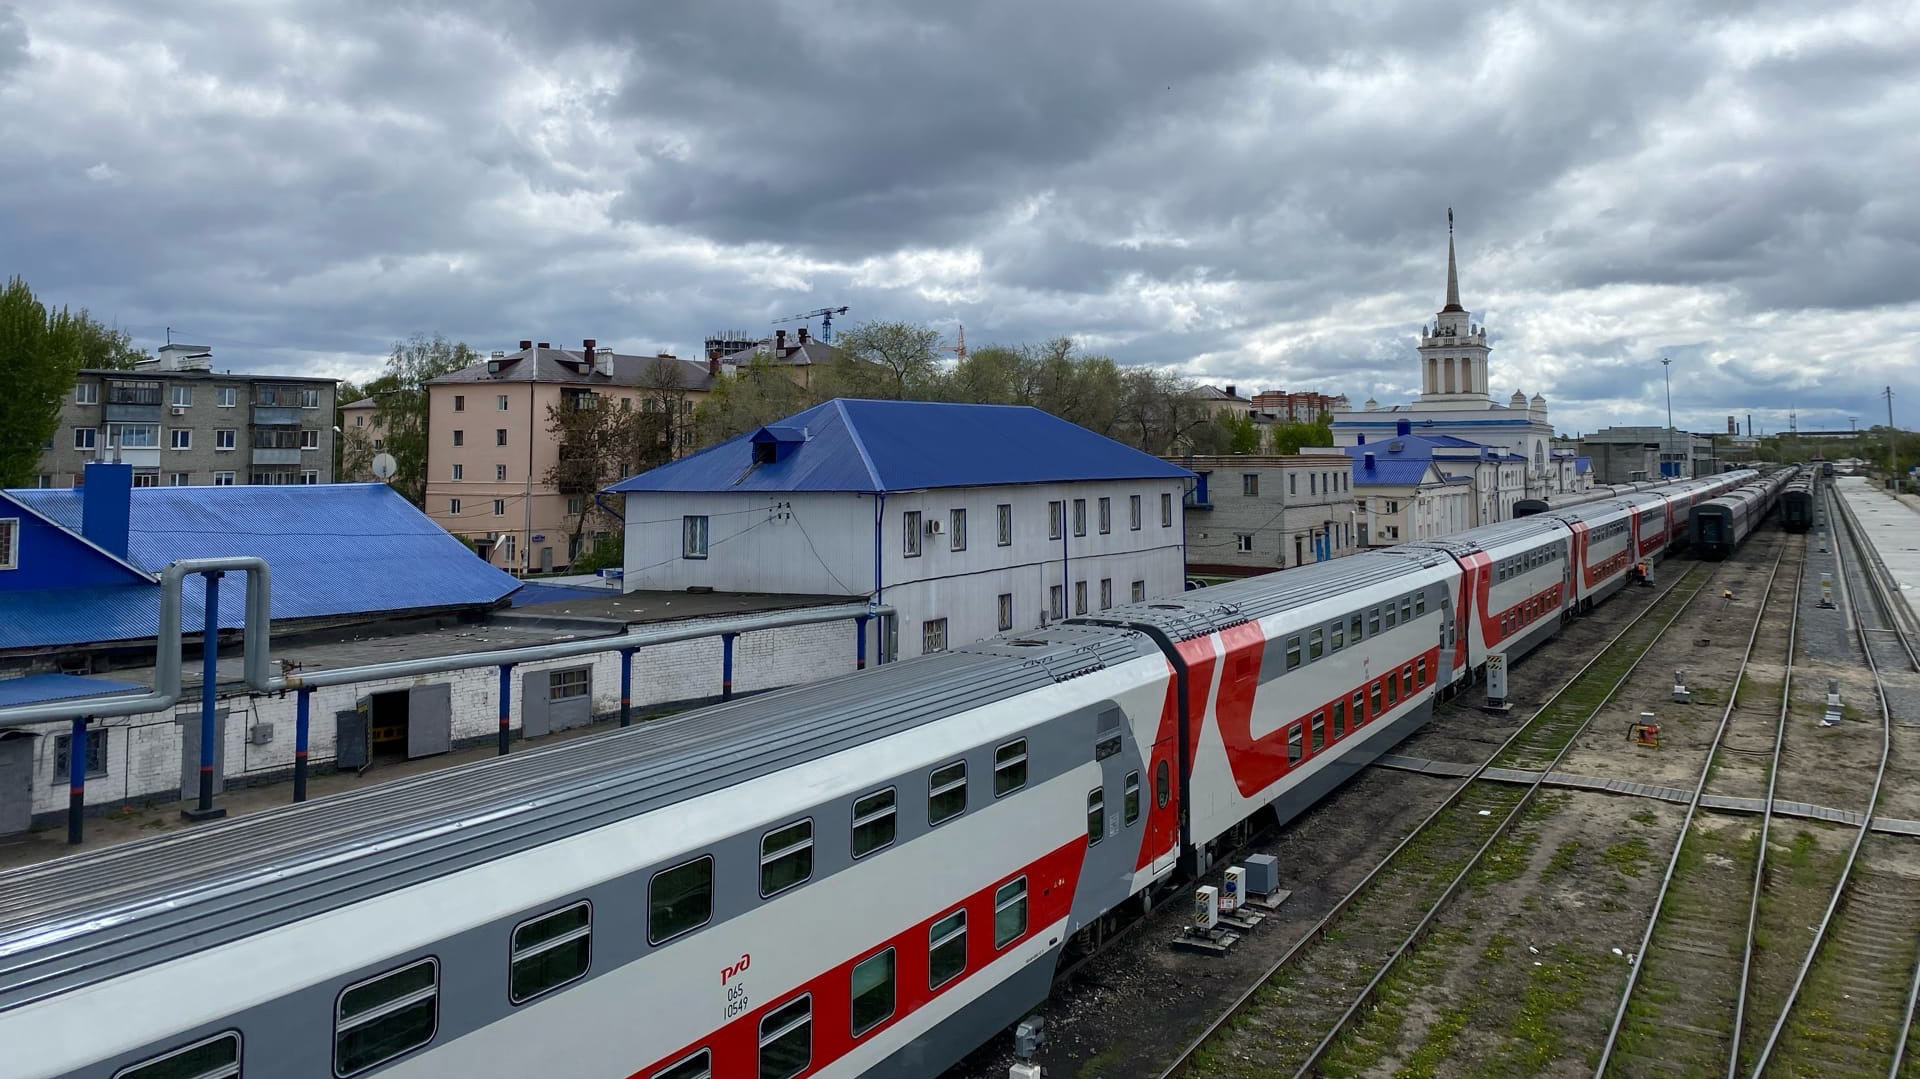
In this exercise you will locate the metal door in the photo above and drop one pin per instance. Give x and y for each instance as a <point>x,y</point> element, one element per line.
<point>350,737</point>
<point>1161,790</point>
<point>190,753</point>
<point>535,718</point>
<point>429,719</point>
<point>546,560</point>
<point>16,782</point>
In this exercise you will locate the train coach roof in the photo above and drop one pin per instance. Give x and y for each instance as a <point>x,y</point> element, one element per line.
<point>136,904</point>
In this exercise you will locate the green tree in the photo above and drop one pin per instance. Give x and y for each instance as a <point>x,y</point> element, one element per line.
<point>885,359</point>
<point>601,441</point>
<point>103,346</point>
<point>402,412</point>
<point>40,350</point>
<point>749,398</point>
<point>1289,438</point>
<point>1243,435</point>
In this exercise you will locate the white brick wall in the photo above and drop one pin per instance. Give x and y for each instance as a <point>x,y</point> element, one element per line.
<point>143,752</point>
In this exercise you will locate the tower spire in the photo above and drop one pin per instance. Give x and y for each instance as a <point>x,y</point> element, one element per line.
<point>1453,270</point>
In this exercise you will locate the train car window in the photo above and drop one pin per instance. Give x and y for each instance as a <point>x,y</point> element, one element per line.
<point>1293,652</point>
<point>1359,708</point>
<point>1096,816</point>
<point>216,1056</point>
<point>947,793</point>
<point>1353,628</point>
<point>1420,603</point>
<point>1009,912</point>
<point>386,1016</point>
<point>680,899</point>
<point>695,1066</point>
<point>550,951</point>
<point>786,857</point>
<point>1375,702</point>
<point>946,949</point>
<point>786,1038</point>
<point>1337,636</point>
<point>1130,799</point>
<point>1162,785</point>
<point>873,991</point>
<point>1373,621</point>
<point>1420,671</point>
<point>1406,609</point>
<point>1316,644</point>
<point>1319,730</point>
<point>1010,767</point>
<point>1393,688</point>
<point>1340,719</point>
<point>1293,745</point>
<point>1390,614</point>
<point>874,822</point>
<point>1406,680</point>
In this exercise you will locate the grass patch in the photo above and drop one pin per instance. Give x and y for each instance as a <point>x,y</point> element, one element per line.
<point>1629,856</point>
<point>1562,861</point>
<point>1535,1037</point>
<point>1645,817</point>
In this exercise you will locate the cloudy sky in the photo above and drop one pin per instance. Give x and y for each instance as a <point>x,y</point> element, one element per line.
<point>1253,193</point>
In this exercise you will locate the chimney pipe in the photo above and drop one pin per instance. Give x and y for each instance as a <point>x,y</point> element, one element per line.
<point>1230,390</point>
<point>546,345</point>
<point>1369,457</point>
<point>526,343</point>
<point>586,346</point>
<point>713,362</point>
<point>106,498</point>
<point>803,335</point>
<point>1362,439</point>
<point>1403,427</point>
<point>779,343</point>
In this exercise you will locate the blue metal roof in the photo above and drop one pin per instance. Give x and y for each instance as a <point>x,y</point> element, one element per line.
<point>33,689</point>
<point>850,444</point>
<point>333,550</point>
<point>1582,465</point>
<point>1393,472</point>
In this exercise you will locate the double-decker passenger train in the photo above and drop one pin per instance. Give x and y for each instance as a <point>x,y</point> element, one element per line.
<point>868,875</point>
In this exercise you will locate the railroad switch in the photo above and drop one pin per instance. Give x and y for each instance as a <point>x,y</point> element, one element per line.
<point>1645,732</point>
<point>1680,695</point>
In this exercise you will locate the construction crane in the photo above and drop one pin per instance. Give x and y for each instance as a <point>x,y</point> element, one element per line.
<point>825,315</point>
<point>959,347</point>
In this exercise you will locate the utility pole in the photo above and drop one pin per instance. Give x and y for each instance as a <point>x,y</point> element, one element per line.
<point>1666,370</point>
<point>1893,458</point>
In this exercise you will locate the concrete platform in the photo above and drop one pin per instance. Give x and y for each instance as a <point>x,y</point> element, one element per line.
<point>1892,527</point>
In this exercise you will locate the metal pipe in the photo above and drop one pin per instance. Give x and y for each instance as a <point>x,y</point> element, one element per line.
<point>209,687</point>
<point>167,660</point>
<point>77,780</point>
<point>626,687</point>
<point>726,666</point>
<point>303,720</point>
<point>506,704</point>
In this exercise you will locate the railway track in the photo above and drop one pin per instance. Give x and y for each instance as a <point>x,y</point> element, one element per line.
<point>1849,1009</point>
<point>1683,1007</point>
<point>1329,976</point>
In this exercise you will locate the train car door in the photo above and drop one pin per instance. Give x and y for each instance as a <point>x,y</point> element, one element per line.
<point>1163,822</point>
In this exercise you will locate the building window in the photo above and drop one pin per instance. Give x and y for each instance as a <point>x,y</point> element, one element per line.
<point>499,472</point>
<point>385,1017</point>
<point>1166,510</point>
<point>499,436</point>
<point>459,471</point>
<point>786,1038</point>
<point>224,438</point>
<point>96,754</point>
<point>500,402</point>
<point>1004,514</point>
<point>180,438</point>
<point>1079,598</point>
<point>693,536</point>
<point>226,397</point>
<point>379,444</point>
<point>933,636</point>
<point>310,398</point>
<point>1133,512</point>
<point>1293,483</point>
<point>9,544</point>
<point>680,899</point>
<point>910,534</point>
<point>946,949</point>
<point>1006,611</point>
<point>1106,593</point>
<point>1106,514</point>
<point>459,437</point>
<point>550,951</point>
<point>786,857</point>
<point>179,479</point>
<point>1009,912</point>
<point>947,793</point>
<point>568,684</point>
<point>223,479</point>
<point>1249,483</point>
<point>86,393</point>
<point>874,822</point>
<point>499,507</point>
<point>1056,602</point>
<point>1139,592</point>
<point>453,506</point>
<point>1010,768</point>
<point>1243,542</point>
<point>182,396</point>
<point>310,476</point>
<point>1056,517</point>
<point>957,530</point>
<point>83,438</point>
<point>1079,517</point>
<point>873,982</point>
<point>574,505</point>
<point>134,436</point>
<point>142,478</point>
<point>459,403</point>
<point>310,439</point>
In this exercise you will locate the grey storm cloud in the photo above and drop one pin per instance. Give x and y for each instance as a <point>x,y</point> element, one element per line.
<point>1245,194</point>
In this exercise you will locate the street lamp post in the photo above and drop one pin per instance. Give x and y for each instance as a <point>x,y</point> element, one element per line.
<point>1666,370</point>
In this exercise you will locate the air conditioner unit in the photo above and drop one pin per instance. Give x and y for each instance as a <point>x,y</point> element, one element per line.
<point>179,411</point>
<point>933,526</point>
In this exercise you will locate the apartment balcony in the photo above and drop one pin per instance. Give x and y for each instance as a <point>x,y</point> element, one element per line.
<point>270,455</point>
<point>123,412</point>
<point>140,458</point>
<point>278,415</point>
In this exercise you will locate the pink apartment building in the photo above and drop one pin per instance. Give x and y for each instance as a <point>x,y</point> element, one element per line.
<point>490,448</point>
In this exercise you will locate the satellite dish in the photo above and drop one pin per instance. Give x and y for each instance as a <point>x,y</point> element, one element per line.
<point>384,466</point>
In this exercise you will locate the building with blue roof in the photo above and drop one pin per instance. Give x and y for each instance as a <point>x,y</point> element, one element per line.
<point>83,573</point>
<point>972,520</point>
<point>1411,488</point>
